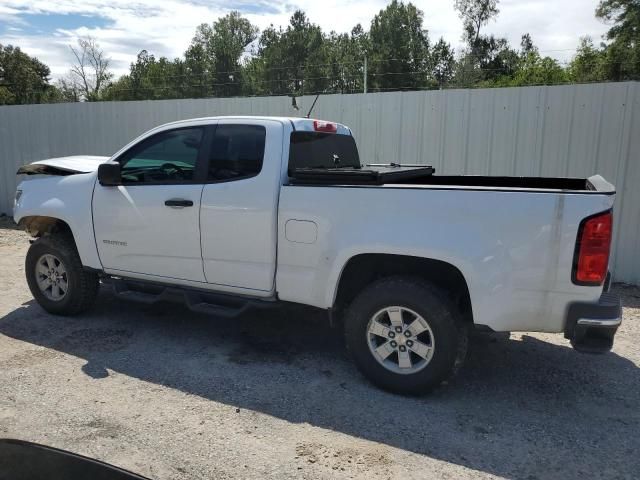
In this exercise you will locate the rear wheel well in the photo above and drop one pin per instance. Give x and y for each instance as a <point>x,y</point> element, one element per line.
<point>38,225</point>
<point>364,269</point>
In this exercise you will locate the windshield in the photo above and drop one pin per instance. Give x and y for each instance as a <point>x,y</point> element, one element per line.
<point>322,150</point>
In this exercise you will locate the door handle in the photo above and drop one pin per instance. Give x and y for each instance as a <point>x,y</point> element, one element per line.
<point>178,203</point>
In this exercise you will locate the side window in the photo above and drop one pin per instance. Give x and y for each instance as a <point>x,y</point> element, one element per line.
<point>236,152</point>
<point>169,156</point>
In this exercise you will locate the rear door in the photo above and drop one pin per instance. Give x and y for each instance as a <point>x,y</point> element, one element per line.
<point>149,225</point>
<point>238,217</point>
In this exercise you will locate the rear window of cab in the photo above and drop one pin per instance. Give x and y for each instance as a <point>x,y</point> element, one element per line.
<point>322,150</point>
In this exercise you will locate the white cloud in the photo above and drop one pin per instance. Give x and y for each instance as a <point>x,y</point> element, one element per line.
<point>555,26</point>
<point>166,27</point>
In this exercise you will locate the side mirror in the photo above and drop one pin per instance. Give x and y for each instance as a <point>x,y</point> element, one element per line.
<point>109,174</point>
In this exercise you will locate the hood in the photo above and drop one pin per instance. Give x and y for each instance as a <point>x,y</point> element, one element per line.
<point>63,165</point>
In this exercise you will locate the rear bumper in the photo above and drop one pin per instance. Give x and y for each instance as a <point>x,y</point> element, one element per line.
<point>591,327</point>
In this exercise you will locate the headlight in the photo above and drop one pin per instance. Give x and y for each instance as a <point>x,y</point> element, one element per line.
<point>17,198</point>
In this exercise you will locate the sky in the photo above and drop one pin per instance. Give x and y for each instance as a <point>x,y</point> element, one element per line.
<point>46,28</point>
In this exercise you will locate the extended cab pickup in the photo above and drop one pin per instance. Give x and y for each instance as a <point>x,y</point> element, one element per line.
<point>230,213</point>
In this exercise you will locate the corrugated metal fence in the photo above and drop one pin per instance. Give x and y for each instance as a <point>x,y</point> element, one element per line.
<point>575,130</point>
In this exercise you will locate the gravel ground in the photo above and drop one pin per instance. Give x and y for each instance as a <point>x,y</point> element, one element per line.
<point>175,395</point>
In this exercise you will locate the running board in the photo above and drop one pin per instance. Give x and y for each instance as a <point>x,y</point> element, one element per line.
<point>221,305</point>
<point>197,302</point>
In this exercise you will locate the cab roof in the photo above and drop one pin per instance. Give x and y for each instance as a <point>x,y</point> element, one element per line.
<point>299,124</point>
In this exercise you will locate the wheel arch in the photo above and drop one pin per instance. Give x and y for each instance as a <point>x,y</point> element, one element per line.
<point>39,225</point>
<point>363,269</point>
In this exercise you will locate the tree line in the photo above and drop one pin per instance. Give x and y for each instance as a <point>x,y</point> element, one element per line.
<point>231,57</point>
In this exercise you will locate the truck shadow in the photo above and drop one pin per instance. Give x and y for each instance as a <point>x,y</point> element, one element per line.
<point>522,407</point>
<point>629,294</point>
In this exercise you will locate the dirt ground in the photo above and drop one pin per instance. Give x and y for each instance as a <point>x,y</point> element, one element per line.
<point>171,394</point>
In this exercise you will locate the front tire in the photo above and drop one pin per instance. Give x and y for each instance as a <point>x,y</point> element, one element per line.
<point>56,277</point>
<point>405,335</point>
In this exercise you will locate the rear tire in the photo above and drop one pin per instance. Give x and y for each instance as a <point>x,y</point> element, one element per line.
<point>56,277</point>
<point>392,357</point>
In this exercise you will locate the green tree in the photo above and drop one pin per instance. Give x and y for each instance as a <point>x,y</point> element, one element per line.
<point>488,60</point>
<point>197,71</point>
<point>532,69</point>
<point>496,58</point>
<point>216,53</point>
<point>526,45</point>
<point>346,53</point>
<point>623,50</point>
<point>442,62</point>
<point>292,61</point>
<point>150,79</point>
<point>68,91</point>
<point>400,48</point>
<point>538,70</point>
<point>492,62</point>
<point>475,14</point>
<point>589,63</point>
<point>23,79</point>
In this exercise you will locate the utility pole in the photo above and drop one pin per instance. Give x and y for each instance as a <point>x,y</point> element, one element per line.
<point>365,74</point>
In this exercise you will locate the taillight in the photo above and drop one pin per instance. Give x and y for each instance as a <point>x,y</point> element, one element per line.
<point>591,258</point>
<point>322,126</point>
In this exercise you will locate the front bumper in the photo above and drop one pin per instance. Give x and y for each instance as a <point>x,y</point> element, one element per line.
<point>591,326</point>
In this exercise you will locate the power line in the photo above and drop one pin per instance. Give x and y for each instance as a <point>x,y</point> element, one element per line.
<point>247,65</point>
<point>210,77</point>
<point>400,88</point>
<point>214,74</point>
<point>374,60</point>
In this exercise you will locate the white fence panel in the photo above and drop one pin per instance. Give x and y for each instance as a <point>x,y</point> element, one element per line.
<point>573,130</point>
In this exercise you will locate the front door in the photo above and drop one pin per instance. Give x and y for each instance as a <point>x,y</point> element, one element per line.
<point>149,226</point>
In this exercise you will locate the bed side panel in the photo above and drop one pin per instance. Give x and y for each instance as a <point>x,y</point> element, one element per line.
<point>515,249</point>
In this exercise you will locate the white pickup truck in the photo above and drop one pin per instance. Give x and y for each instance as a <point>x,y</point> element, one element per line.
<point>229,213</point>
